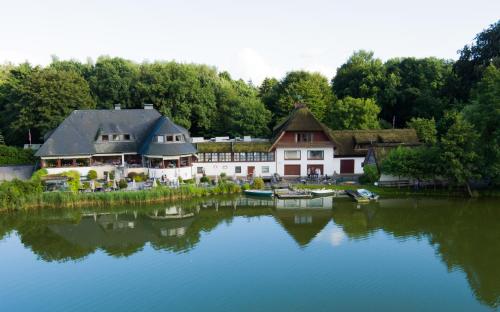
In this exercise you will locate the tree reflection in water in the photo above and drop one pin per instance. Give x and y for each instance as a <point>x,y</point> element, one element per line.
<point>465,234</point>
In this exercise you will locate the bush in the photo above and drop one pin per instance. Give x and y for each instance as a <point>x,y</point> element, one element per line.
<point>10,155</point>
<point>180,180</point>
<point>122,184</point>
<point>137,177</point>
<point>92,175</point>
<point>205,179</point>
<point>73,180</point>
<point>258,183</point>
<point>86,185</point>
<point>189,181</point>
<point>112,175</point>
<point>37,175</point>
<point>370,175</point>
<point>245,186</point>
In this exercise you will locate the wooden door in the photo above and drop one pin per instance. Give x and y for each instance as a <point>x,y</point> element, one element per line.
<point>292,170</point>
<point>250,171</point>
<point>346,166</point>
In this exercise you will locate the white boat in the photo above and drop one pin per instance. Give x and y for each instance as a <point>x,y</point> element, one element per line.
<point>323,192</point>
<point>367,194</point>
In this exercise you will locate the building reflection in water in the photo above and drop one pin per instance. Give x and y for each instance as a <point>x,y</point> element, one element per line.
<point>464,234</point>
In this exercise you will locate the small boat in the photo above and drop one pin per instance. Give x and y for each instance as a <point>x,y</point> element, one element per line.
<point>361,195</point>
<point>323,192</point>
<point>294,195</point>
<point>259,193</point>
<point>367,194</point>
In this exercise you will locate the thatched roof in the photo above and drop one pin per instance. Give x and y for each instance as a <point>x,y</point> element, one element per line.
<point>237,147</point>
<point>241,147</point>
<point>345,141</point>
<point>300,119</point>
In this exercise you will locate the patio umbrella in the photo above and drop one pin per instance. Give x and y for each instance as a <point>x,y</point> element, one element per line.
<point>134,186</point>
<point>92,185</point>
<point>115,186</point>
<point>155,182</point>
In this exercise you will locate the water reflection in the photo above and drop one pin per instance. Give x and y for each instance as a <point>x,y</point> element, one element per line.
<point>465,234</point>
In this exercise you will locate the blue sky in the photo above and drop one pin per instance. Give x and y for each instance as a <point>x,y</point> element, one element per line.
<point>250,39</point>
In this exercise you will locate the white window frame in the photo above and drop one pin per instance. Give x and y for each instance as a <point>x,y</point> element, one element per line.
<point>290,151</point>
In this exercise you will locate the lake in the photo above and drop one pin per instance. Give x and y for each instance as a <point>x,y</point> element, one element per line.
<point>244,254</point>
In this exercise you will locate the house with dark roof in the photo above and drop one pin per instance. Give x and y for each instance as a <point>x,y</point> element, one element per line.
<point>142,140</point>
<point>119,140</point>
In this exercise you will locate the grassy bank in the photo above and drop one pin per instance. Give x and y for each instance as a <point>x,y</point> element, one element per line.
<point>405,191</point>
<point>107,199</point>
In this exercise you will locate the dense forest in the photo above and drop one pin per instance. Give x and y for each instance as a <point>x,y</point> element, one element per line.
<point>448,102</point>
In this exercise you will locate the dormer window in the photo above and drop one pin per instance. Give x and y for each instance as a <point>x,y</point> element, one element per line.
<point>170,138</point>
<point>304,137</point>
<point>126,137</point>
<point>116,137</point>
<point>105,137</point>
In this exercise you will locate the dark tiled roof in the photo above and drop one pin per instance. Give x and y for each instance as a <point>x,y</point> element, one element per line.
<point>346,140</point>
<point>76,135</point>
<point>164,126</point>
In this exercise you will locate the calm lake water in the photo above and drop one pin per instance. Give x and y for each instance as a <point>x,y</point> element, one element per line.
<point>241,254</point>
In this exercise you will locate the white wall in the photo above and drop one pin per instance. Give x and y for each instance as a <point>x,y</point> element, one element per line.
<point>171,173</point>
<point>216,168</point>
<point>327,161</point>
<point>358,161</point>
<point>83,170</point>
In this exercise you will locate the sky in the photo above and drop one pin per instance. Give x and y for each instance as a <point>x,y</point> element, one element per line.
<point>250,39</point>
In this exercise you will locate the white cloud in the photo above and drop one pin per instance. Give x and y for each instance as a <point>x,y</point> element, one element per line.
<point>251,65</point>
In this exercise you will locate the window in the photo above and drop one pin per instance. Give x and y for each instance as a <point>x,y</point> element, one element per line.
<point>160,138</point>
<point>126,137</point>
<point>215,157</point>
<point>304,137</point>
<point>265,169</point>
<point>291,155</point>
<point>315,155</point>
<point>237,169</point>
<point>105,137</point>
<point>250,157</point>
<point>116,137</point>
<point>179,138</point>
<point>170,138</point>
<point>256,156</point>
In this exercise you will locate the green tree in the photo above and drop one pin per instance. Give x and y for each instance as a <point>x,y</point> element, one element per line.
<point>311,89</point>
<point>425,128</point>
<point>458,153</point>
<point>475,58</point>
<point>352,113</point>
<point>415,88</point>
<point>484,113</point>
<point>240,110</point>
<point>112,81</point>
<point>38,99</point>
<point>362,76</point>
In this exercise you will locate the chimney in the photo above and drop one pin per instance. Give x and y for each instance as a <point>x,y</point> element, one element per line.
<point>118,106</point>
<point>148,106</point>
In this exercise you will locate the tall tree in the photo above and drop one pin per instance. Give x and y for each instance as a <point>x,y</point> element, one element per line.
<point>459,153</point>
<point>484,114</point>
<point>415,88</point>
<point>311,89</point>
<point>352,113</point>
<point>362,76</point>
<point>475,58</point>
<point>39,99</point>
<point>112,81</point>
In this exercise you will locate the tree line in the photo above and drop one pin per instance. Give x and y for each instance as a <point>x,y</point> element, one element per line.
<point>365,93</point>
